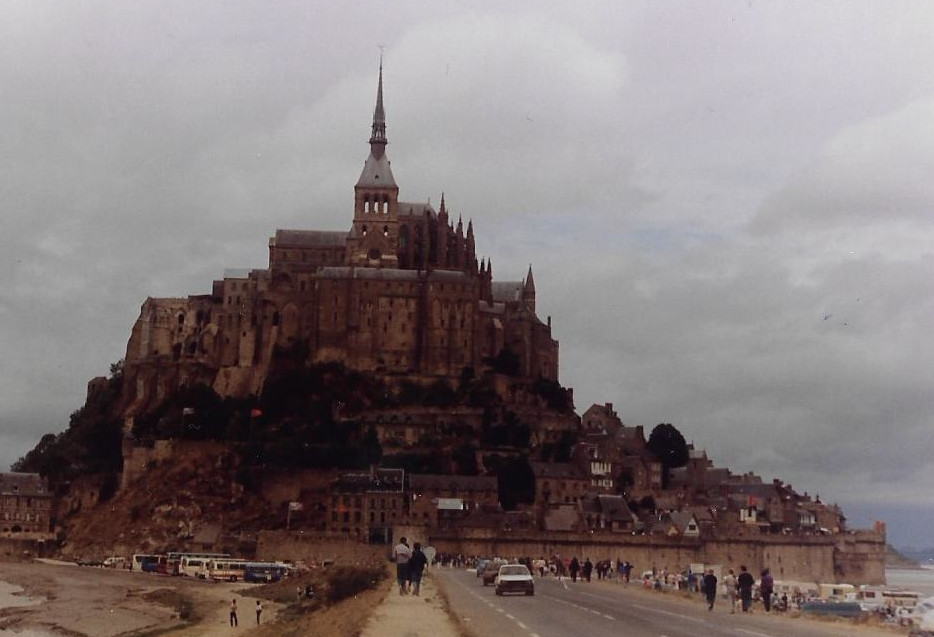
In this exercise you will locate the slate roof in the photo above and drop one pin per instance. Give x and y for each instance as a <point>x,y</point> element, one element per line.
<point>383,480</point>
<point>376,173</point>
<point>614,508</point>
<point>681,519</point>
<point>28,484</point>
<point>409,209</point>
<point>505,291</point>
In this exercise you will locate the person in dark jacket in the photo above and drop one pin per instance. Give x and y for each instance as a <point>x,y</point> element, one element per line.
<point>709,586</point>
<point>417,567</point>
<point>766,588</point>
<point>574,567</point>
<point>588,569</point>
<point>745,582</point>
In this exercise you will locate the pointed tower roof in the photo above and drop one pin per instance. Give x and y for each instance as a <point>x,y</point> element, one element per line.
<point>378,136</point>
<point>376,169</point>
<point>529,281</point>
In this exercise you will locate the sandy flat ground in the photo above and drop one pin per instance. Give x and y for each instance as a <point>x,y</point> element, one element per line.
<point>100,602</point>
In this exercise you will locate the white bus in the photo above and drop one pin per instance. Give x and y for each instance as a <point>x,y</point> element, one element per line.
<point>192,564</point>
<point>226,569</point>
<point>146,562</point>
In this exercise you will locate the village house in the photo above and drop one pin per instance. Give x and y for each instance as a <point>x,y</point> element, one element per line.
<point>25,506</point>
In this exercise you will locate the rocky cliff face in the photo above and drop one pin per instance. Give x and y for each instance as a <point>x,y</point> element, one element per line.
<point>192,499</point>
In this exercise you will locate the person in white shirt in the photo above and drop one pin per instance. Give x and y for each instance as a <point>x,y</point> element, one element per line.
<point>401,555</point>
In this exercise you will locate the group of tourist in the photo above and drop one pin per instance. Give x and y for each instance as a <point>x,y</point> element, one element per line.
<point>410,566</point>
<point>739,588</point>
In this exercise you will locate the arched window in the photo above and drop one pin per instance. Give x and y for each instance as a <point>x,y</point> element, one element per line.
<point>403,237</point>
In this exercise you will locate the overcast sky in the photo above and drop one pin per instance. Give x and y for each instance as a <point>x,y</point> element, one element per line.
<point>728,206</point>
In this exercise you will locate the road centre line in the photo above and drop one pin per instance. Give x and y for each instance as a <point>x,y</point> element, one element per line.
<point>583,608</point>
<point>666,612</point>
<point>752,632</point>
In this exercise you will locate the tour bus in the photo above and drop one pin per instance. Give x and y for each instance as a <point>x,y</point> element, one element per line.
<point>226,569</point>
<point>196,564</point>
<point>145,562</point>
<point>264,571</point>
<point>174,561</point>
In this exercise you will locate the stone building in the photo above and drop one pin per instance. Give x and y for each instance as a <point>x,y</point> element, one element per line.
<point>402,293</point>
<point>366,506</point>
<point>25,506</point>
<point>444,500</point>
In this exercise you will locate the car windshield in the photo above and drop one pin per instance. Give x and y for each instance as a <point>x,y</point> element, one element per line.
<point>513,570</point>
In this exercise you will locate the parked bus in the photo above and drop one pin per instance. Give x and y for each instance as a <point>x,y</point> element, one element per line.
<point>264,571</point>
<point>226,569</point>
<point>192,564</point>
<point>145,562</point>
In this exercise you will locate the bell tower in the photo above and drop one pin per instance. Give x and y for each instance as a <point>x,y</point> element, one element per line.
<point>375,234</point>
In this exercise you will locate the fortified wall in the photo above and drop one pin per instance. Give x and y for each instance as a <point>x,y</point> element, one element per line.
<point>854,558</point>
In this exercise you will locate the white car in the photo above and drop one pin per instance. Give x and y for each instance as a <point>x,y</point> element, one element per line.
<point>514,578</point>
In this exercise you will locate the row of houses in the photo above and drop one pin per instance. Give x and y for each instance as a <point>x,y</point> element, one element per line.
<point>611,484</point>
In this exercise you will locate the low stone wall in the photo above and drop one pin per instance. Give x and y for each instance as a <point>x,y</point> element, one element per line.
<point>316,548</point>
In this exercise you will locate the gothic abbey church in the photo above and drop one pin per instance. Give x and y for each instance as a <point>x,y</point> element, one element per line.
<point>401,295</point>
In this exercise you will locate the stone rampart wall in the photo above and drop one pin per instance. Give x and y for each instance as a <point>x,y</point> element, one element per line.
<point>316,548</point>
<point>855,559</point>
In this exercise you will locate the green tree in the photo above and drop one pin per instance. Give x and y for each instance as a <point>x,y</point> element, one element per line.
<point>668,445</point>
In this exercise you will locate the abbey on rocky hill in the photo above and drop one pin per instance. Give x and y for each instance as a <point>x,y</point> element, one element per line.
<point>400,293</point>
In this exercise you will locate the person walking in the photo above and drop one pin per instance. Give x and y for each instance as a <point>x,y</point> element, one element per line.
<point>574,568</point>
<point>588,569</point>
<point>729,582</point>
<point>401,555</point>
<point>745,582</point>
<point>417,568</point>
<point>233,612</point>
<point>766,588</point>
<point>709,586</point>
<point>259,611</point>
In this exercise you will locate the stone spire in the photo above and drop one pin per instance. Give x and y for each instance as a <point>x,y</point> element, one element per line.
<point>378,136</point>
<point>528,293</point>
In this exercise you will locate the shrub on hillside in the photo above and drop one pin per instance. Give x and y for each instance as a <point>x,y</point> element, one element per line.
<point>347,581</point>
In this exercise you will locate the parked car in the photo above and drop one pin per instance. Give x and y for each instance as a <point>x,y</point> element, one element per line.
<point>490,571</point>
<point>89,561</point>
<point>514,578</point>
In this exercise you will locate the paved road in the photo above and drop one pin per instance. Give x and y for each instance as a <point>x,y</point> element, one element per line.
<point>603,609</point>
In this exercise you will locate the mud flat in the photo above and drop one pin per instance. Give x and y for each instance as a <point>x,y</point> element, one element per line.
<point>96,602</point>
